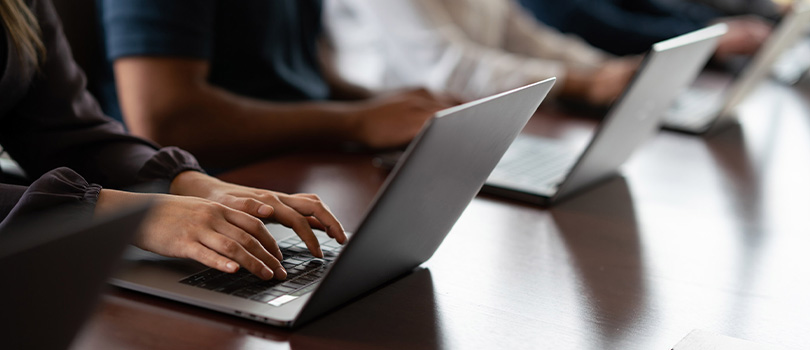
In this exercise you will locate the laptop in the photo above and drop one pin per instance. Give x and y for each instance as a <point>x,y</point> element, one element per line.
<point>543,171</point>
<point>709,104</point>
<point>439,174</point>
<point>55,270</point>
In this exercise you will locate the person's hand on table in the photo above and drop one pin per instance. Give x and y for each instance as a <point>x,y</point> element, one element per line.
<point>394,119</point>
<point>611,79</point>
<point>745,35</point>
<point>301,212</point>
<point>211,233</point>
<point>603,85</point>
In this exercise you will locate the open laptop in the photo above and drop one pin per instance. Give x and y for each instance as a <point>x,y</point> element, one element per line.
<point>542,171</point>
<point>428,189</point>
<point>54,272</point>
<point>709,104</point>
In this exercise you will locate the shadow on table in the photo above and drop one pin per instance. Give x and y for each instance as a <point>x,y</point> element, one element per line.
<point>600,231</point>
<point>400,315</point>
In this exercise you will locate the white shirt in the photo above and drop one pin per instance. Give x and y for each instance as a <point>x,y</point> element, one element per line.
<point>469,48</point>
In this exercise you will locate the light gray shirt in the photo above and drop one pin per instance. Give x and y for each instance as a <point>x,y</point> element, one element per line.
<point>469,48</point>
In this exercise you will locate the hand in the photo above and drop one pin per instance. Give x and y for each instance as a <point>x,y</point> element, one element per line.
<point>608,82</point>
<point>744,37</point>
<point>394,120</point>
<point>301,212</point>
<point>195,228</point>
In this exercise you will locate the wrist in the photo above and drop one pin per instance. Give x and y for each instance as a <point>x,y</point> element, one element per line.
<point>347,124</point>
<point>110,201</point>
<point>576,84</point>
<point>192,183</point>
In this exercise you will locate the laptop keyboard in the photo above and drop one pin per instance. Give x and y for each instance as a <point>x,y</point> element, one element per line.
<point>695,108</point>
<point>534,162</point>
<point>304,271</point>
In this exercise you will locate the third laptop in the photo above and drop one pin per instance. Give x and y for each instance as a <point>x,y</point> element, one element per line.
<point>710,102</point>
<point>541,171</point>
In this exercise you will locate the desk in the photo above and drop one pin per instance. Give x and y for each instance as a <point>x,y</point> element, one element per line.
<point>709,233</point>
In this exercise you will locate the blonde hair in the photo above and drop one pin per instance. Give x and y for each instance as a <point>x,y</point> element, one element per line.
<point>24,30</point>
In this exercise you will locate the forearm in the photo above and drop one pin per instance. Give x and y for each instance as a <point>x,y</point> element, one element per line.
<point>222,128</point>
<point>112,201</point>
<point>575,83</point>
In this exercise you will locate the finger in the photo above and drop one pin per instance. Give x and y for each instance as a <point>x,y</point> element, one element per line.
<point>251,206</point>
<point>253,247</point>
<point>210,258</point>
<point>314,223</point>
<point>231,249</point>
<point>291,218</point>
<point>316,208</point>
<point>255,228</point>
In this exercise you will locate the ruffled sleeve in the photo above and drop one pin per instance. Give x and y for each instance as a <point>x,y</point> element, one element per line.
<point>59,188</point>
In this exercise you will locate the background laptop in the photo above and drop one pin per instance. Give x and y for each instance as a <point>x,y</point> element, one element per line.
<point>710,102</point>
<point>53,275</point>
<point>429,188</point>
<point>541,171</point>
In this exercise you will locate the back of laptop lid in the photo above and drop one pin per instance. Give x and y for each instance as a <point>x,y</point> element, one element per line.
<point>784,36</point>
<point>432,184</point>
<point>666,71</point>
<point>53,275</point>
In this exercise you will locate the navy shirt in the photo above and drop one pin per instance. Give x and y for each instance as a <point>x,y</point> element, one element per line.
<point>256,48</point>
<point>620,27</point>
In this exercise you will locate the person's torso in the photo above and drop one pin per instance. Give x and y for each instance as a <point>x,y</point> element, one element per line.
<point>260,49</point>
<point>268,49</point>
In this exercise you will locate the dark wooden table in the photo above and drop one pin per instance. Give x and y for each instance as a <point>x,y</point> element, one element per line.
<point>710,233</point>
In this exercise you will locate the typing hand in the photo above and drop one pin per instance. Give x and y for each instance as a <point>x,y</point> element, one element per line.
<point>301,212</point>
<point>199,229</point>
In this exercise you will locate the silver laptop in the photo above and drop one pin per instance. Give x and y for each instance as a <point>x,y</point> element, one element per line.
<point>439,174</point>
<point>542,171</point>
<point>709,104</point>
<point>55,269</point>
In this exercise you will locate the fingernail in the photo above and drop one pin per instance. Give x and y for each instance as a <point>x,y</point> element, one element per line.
<point>232,266</point>
<point>320,253</point>
<point>267,273</point>
<point>265,210</point>
<point>281,272</point>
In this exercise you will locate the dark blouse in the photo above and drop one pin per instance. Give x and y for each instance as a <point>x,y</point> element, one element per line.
<point>55,130</point>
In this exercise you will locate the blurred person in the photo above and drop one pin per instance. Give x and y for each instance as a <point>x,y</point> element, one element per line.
<point>234,81</point>
<point>467,48</point>
<point>80,158</point>
<point>769,9</point>
<point>625,27</point>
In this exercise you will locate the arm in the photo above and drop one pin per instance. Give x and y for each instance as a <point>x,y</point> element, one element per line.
<point>423,46</point>
<point>590,74</point>
<point>169,100</point>
<point>205,212</point>
<point>162,52</point>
